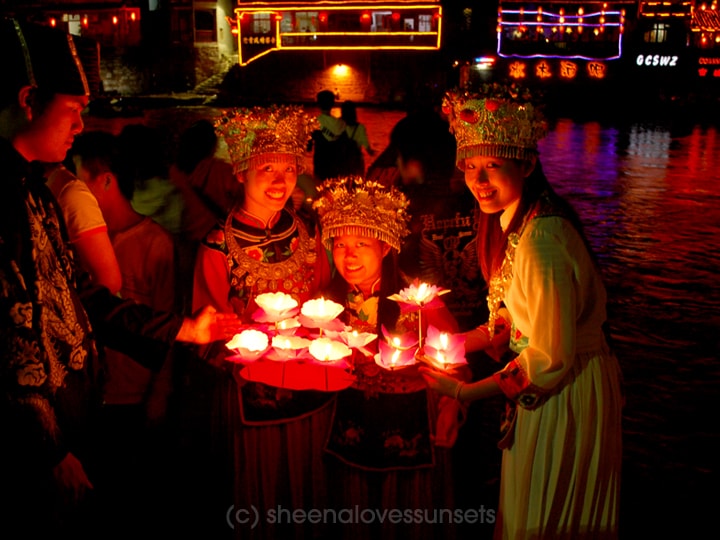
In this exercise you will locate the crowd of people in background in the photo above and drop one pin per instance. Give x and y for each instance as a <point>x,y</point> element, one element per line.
<point>127,262</point>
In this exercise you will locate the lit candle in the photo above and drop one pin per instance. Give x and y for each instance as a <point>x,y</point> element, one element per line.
<point>394,359</point>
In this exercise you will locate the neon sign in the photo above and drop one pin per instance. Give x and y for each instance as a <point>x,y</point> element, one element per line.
<point>656,60</point>
<point>389,26</point>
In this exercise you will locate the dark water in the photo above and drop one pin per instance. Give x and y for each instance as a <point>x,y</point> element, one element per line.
<point>650,197</point>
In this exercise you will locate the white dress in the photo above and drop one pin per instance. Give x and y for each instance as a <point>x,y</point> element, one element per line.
<point>561,475</point>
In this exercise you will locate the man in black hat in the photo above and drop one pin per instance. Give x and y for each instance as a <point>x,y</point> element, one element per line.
<point>50,316</point>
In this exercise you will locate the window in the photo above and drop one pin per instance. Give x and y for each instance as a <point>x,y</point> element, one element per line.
<point>425,23</point>
<point>657,34</point>
<point>261,23</point>
<point>205,26</point>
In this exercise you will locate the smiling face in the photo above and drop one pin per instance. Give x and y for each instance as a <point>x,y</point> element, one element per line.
<point>359,260</point>
<point>268,186</point>
<point>496,183</point>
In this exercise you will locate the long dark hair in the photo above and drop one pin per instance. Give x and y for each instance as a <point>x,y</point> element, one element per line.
<point>537,194</point>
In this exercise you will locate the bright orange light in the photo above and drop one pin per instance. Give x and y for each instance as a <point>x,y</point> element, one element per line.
<point>323,17</point>
<point>278,17</point>
<point>365,17</point>
<point>85,21</point>
<point>53,22</point>
<point>132,16</point>
<point>340,70</point>
<point>115,19</point>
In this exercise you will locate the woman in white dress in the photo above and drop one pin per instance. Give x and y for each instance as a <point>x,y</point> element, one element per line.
<point>562,447</point>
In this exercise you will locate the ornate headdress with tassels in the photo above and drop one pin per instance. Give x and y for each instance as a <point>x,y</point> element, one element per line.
<point>499,121</point>
<point>272,132</point>
<point>355,206</point>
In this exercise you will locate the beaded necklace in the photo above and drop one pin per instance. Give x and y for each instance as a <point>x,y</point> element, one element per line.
<point>500,281</point>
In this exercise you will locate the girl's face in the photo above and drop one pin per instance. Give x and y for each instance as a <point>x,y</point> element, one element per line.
<point>359,260</point>
<point>496,183</point>
<point>268,186</point>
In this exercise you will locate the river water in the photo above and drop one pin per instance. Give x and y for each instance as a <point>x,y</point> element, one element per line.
<point>649,194</point>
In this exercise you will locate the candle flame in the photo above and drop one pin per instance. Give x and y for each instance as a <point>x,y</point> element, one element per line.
<point>395,357</point>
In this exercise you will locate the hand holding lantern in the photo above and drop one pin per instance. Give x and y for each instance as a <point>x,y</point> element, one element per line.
<point>446,351</point>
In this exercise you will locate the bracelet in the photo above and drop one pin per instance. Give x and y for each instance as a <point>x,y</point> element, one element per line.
<point>458,389</point>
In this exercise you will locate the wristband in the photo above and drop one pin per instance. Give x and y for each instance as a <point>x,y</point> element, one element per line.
<point>458,389</point>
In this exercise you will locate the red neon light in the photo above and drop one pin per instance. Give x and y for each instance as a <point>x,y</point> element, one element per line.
<point>323,17</point>
<point>396,16</point>
<point>53,22</point>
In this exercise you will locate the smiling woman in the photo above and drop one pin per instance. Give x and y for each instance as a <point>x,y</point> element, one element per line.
<point>263,247</point>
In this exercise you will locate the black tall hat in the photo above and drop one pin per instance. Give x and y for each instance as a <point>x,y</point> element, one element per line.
<point>55,60</point>
<point>36,55</point>
<point>16,67</point>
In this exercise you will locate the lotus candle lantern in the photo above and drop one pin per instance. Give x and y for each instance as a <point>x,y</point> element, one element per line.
<point>393,358</point>
<point>249,344</point>
<point>353,338</point>
<point>446,350</point>
<point>288,348</point>
<point>418,297</point>
<point>275,307</point>
<point>329,351</point>
<point>287,327</point>
<point>322,314</point>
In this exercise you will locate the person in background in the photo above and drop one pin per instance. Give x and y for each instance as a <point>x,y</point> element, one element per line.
<point>209,189</point>
<point>206,180</point>
<point>87,230</point>
<point>562,447</point>
<point>326,140</point>
<point>390,438</point>
<point>50,314</point>
<point>261,247</point>
<point>441,248</point>
<point>356,132</point>
<point>146,150</point>
<point>135,426</point>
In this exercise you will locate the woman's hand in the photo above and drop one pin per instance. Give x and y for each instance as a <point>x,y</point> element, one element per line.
<point>441,382</point>
<point>207,326</point>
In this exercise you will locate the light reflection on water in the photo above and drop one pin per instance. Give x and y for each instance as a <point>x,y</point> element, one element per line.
<point>650,197</point>
<point>651,200</point>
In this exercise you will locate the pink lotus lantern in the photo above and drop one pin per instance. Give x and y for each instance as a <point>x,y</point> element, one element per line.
<point>446,350</point>
<point>393,358</point>
<point>274,307</point>
<point>288,348</point>
<point>353,338</point>
<point>287,327</point>
<point>417,297</point>
<point>249,344</point>
<point>329,351</point>
<point>322,314</point>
